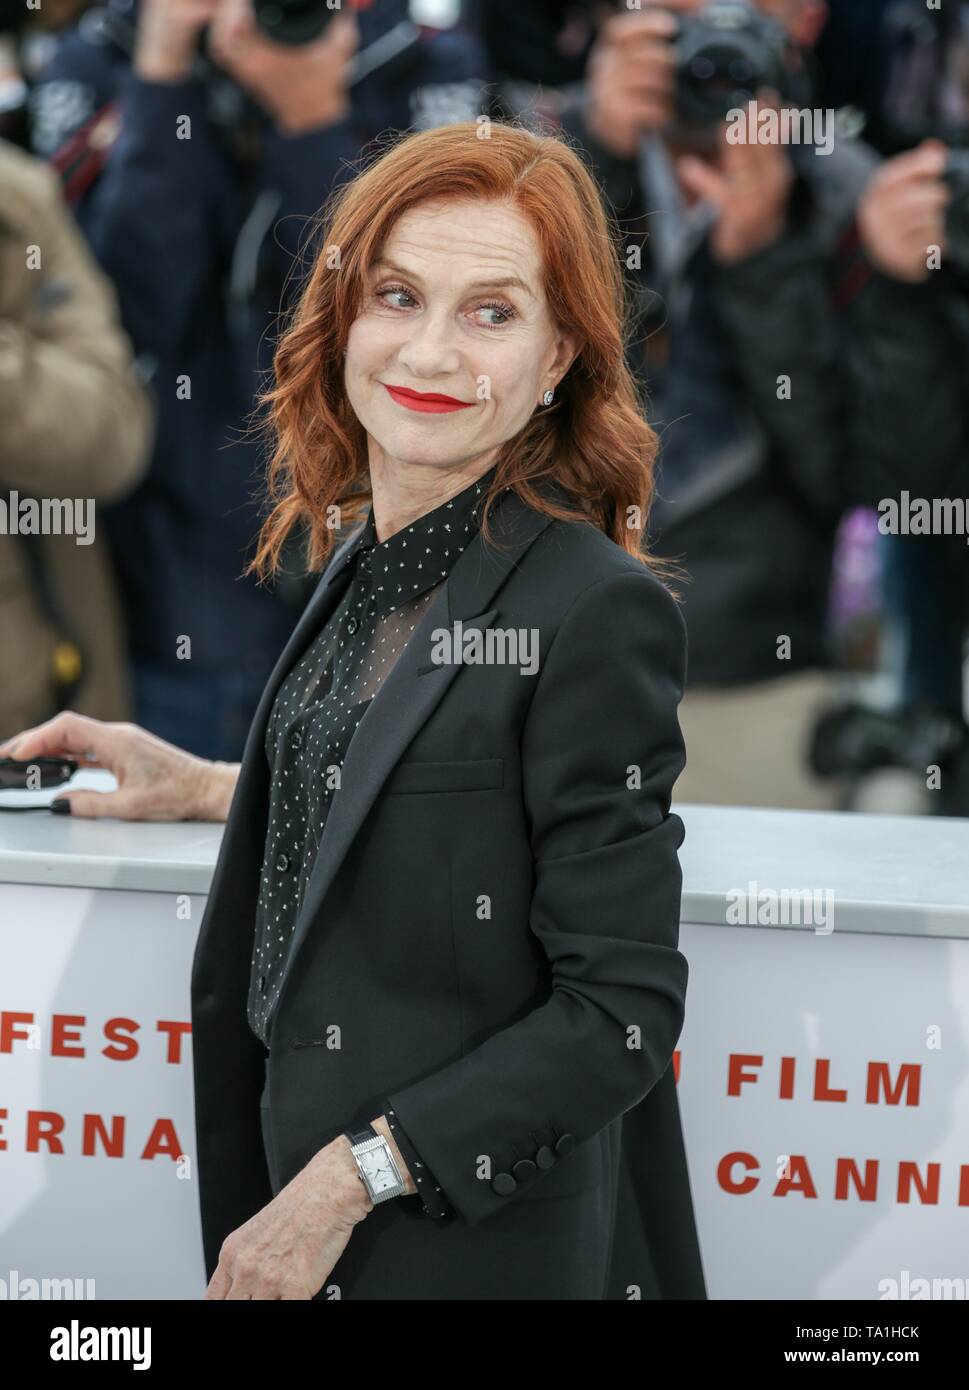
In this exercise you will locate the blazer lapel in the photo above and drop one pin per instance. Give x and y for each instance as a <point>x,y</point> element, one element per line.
<point>408,696</point>
<point>321,604</point>
<point>250,803</point>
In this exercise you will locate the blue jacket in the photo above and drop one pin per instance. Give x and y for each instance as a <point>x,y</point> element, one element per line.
<point>201,250</point>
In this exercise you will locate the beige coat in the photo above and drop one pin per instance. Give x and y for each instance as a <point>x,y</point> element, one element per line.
<point>75,422</point>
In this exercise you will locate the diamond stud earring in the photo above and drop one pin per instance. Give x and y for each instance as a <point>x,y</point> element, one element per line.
<point>548,398</point>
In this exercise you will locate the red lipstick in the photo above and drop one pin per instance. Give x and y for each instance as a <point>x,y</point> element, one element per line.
<point>430,402</point>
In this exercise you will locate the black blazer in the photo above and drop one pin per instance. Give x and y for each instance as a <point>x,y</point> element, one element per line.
<point>489,938</point>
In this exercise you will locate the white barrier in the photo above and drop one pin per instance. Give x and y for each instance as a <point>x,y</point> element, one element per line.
<point>823,1068</point>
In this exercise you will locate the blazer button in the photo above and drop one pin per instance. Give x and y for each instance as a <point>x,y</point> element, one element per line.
<point>504,1184</point>
<point>283,862</point>
<point>545,1158</point>
<point>564,1144</point>
<point>352,625</point>
<point>524,1170</point>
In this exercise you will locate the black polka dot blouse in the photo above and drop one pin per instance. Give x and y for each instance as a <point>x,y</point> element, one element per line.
<point>315,714</point>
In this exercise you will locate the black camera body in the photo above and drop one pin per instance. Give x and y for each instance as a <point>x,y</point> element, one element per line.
<point>852,738</point>
<point>726,53</point>
<point>956,176</point>
<point>286,21</point>
<point>293,21</point>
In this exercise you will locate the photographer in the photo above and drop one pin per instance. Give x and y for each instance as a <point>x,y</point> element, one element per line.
<point>736,254</point>
<point>907,362</point>
<point>909,365</point>
<point>77,429</point>
<point>28,35</point>
<point>194,146</point>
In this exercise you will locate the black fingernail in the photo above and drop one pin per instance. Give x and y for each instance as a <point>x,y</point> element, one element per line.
<point>61,807</point>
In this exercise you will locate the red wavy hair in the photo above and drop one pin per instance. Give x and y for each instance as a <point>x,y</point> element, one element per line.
<point>594,440</point>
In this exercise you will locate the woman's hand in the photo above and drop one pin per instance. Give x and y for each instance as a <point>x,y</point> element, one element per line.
<point>287,1250</point>
<point>156,780</point>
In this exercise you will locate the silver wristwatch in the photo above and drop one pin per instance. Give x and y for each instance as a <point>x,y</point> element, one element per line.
<point>376,1165</point>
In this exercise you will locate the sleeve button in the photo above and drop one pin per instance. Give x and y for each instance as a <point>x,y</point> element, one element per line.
<point>524,1170</point>
<point>545,1158</point>
<point>504,1184</point>
<point>565,1144</point>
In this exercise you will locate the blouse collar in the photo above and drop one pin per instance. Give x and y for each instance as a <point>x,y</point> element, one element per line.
<point>421,554</point>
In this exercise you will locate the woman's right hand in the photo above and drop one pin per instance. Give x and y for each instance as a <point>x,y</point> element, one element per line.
<point>156,780</point>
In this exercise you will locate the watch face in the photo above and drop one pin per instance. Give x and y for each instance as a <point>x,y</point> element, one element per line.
<point>377,1167</point>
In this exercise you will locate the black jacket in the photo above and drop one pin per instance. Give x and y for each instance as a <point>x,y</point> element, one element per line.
<point>489,938</point>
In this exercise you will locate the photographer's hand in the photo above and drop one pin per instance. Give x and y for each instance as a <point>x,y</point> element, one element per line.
<point>302,86</point>
<point>750,190</point>
<point>902,212</point>
<point>167,38</point>
<point>631,77</point>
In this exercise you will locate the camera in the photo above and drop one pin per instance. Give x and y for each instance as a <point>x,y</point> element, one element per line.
<point>725,53</point>
<point>293,21</point>
<point>852,738</point>
<point>286,21</point>
<point>956,176</point>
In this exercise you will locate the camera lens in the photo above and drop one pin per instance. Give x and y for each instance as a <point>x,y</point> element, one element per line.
<point>292,21</point>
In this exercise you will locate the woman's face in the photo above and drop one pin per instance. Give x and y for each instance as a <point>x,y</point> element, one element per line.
<point>454,307</point>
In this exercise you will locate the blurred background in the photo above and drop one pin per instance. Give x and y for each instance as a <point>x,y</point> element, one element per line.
<point>800,336</point>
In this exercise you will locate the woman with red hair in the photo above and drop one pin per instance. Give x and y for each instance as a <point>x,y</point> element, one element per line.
<point>436,989</point>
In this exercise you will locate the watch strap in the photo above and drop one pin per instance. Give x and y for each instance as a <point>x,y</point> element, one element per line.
<point>360,1133</point>
<point>434,1202</point>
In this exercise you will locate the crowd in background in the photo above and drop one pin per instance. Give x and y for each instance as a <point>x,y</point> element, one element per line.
<point>800,354</point>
